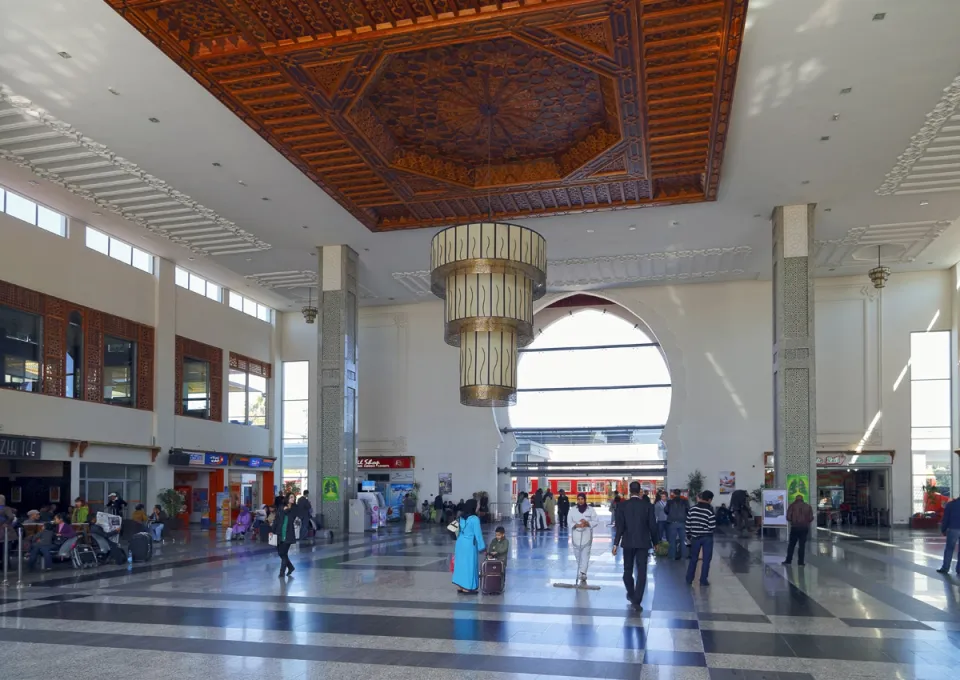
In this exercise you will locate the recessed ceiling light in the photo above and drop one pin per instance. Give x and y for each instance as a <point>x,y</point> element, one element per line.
<point>929,262</point>
<point>924,202</point>
<point>590,231</point>
<point>631,228</point>
<point>825,138</point>
<point>215,164</point>
<point>191,258</point>
<point>33,182</point>
<point>306,226</point>
<point>758,215</point>
<point>806,181</point>
<point>835,116</point>
<point>831,270</point>
<point>879,16</point>
<point>241,183</point>
<point>391,299</point>
<point>827,209</point>
<point>113,92</point>
<point>846,90</point>
<point>674,223</point>
<point>65,55</point>
<point>154,120</point>
<point>249,259</point>
<point>96,212</point>
<point>265,198</point>
<point>366,250</point>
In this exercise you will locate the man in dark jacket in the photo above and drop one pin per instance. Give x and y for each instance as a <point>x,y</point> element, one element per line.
<point>563,509</point>
<point>304,513</point>
<point>800,516</point>
<point>636,534</point>
<point>539,514</point>
<point>950,527</point>
<point>677,509</point>
<point>438,506</point>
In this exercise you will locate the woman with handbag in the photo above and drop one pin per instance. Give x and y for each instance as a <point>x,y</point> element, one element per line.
<point>283,535</point>
<point>466,566</point>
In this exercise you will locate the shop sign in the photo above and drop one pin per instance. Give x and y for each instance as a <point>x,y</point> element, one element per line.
<point>253,462</point>
<point>848,459</point>
<point>19,447</point>
<point>385,463</point>
<point>215,459</point>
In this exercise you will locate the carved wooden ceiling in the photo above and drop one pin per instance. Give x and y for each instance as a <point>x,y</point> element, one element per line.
<point>417,113</point>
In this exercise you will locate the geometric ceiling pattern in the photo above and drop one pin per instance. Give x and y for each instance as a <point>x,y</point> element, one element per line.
<point>59,153</point>
<point>900,242</point>
<point>418,113</point>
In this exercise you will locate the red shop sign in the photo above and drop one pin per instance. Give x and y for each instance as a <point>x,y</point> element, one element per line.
<point>385,463</point>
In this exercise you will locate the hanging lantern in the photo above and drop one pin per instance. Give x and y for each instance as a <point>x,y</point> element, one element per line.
<point>489,274</point>
<point>309,311</point>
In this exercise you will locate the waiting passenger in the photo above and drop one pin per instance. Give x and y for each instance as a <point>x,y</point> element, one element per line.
<point>46,513</point>
<point>140,515</point>
<point>158,519</point>
<point>499,547</point>
<point>79,512</point>
<point>245,519</point>
<point>525,507</point>
<point>466,565</point>
<point>50,540</point>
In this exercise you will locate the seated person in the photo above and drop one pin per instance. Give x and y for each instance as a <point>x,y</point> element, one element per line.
<point>499,547</point>
<point>724,515</point>
<point>46,513</point>
<point>140,514</point>
<point>33,517</point>
<point>244,520</point>
<point>156,522</point>
<point>49,541</point>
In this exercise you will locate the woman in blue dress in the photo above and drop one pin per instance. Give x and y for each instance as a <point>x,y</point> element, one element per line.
<point>466,564</point>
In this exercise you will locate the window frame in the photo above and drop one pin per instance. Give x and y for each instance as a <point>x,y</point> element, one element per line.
<point>250,307</point>
<point>185,399</point>
<point>211,291</point>
<point>61,231</point>
<point>113,242</point>
<point>247,367</point>
<point>132,397</point>
<point>945,427</point>
<point>36,386</point>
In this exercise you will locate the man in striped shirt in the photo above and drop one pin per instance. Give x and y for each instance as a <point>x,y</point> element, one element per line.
<point>701,523</point>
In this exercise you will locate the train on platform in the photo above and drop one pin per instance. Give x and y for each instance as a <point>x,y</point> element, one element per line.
<point>600,491</point>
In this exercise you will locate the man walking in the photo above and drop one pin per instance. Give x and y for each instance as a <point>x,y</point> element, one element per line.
<point>677,509</point>
<point>701,523</point>
<point>800,517</point>
<point>305,514</point>
<point>409,510</point>
<point>438,506</point>
<point>636,533</point>
<point>563,509</point>
<point>539,514</point>
<point>950,527</point>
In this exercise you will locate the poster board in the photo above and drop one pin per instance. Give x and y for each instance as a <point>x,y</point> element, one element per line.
<point>446,483</point>
<point>331,490</point>
<point>774,507</point>
<point>728,482</point>
<point>798,485</point>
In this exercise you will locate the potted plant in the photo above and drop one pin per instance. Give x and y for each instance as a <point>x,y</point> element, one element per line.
<point>172,503</point>
<point>695,483</point>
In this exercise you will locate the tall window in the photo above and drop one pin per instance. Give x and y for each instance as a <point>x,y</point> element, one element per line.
<point>24,209</point>
<point>296,407</point>
<point>119,250</point>
<point>198,284</point>
<point>930,423</point>
<point>119,371</point>
<point>196,388</point>
<point>74,358</point>
<point>247,398</point>
<point>20,349</point>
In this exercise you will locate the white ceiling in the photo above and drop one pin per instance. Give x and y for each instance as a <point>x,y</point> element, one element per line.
<point>798,55</point>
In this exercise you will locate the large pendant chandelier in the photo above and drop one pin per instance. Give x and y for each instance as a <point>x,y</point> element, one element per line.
<point>879,274</point>
<point>489,274</point>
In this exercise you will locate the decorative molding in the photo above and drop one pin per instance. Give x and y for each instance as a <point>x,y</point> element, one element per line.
<point>914,237</point>
<point>366,293</point>
<point>92,171</point>
<point>608,270</point>
<point>286,279</point>
<point>239,362</point>
<point>935,120</point>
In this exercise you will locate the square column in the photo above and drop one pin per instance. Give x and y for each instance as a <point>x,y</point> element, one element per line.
<point>794,368</point>
<point>336,414</point>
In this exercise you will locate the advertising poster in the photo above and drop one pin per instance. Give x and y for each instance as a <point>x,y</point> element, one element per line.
<point>331,489</point>
<point>798,485</point>
<point>395,494</point>
<point>223,498</point>
<point>728,482</point>
<point>226,510</point>
<point>774,507</point>
<point>446,483</point>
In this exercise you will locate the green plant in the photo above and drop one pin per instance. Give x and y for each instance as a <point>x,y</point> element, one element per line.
<point>172,502</point>
<point>291,486</point>
<point>415,491</point>
<point>695,482</point>
<point>756,495</point>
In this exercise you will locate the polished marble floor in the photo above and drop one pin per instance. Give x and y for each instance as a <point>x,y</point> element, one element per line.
<point>868,604</point>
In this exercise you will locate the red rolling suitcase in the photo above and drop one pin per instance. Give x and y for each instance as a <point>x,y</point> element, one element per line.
<point>492,577</point>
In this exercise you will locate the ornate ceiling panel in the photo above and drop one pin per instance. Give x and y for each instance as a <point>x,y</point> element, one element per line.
<point>417,113</point>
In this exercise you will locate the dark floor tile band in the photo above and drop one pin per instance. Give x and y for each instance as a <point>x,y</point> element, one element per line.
<point>380,657</point>
<point>886,623</point>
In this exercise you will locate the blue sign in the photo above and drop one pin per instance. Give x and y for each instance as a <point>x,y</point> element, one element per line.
<point>215,459</point>
<point>253,462</point>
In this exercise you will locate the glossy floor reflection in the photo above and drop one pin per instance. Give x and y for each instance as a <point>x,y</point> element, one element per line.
<point>865,606</point>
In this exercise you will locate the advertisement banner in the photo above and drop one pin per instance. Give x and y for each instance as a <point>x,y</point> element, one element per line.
<point>212,459</point>
<point>331,489</point>
<point>774,507</point>
<point>728,482</point>
<point>223,499</point>
<point>446,483</point>
<point>395,494</point>
<point>798,485</point>
<point>253,462</point>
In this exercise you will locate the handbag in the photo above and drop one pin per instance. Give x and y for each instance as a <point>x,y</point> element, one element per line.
<point>272,540</point>
<point>454,527</point>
